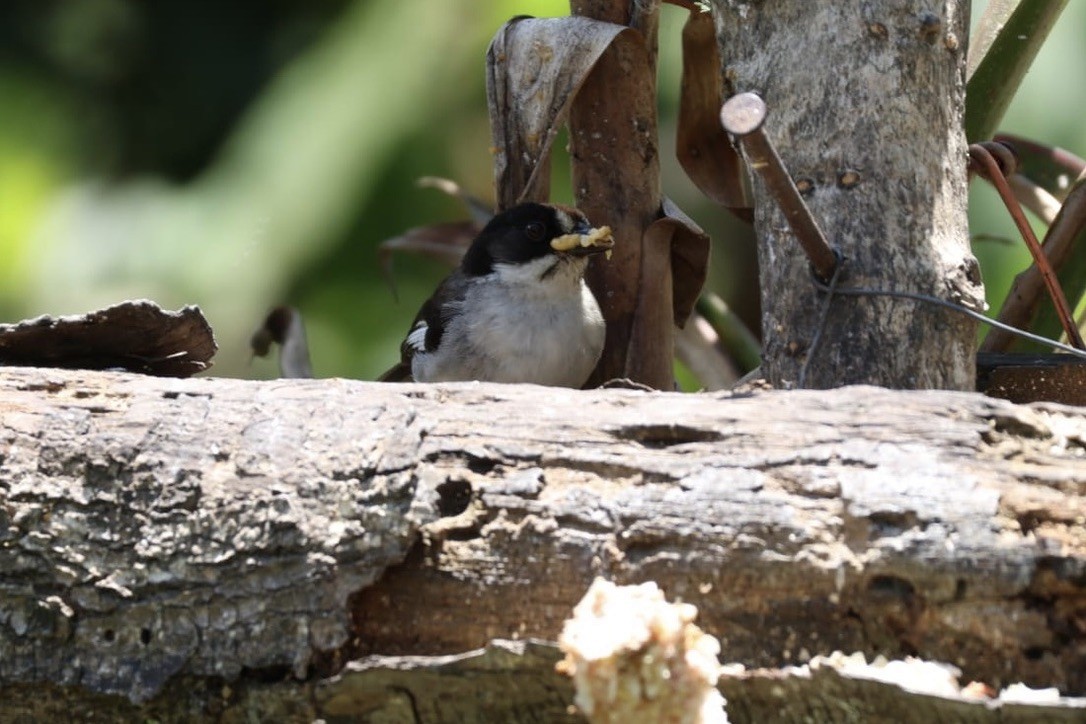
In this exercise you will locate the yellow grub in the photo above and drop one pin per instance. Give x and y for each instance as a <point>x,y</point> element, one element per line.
<point>597,237</point>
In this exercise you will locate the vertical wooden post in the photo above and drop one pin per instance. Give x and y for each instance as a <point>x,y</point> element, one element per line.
<point>616,181</point>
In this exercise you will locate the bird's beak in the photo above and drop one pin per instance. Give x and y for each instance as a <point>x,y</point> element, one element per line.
<point>593,241</point>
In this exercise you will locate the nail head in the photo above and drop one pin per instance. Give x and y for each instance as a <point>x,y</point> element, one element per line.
<point>743,114</point>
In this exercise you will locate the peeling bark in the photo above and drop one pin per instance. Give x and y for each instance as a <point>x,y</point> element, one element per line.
<point>156,533</point>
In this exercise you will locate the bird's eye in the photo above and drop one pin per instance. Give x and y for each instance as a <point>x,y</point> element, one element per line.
<point>535,231</point>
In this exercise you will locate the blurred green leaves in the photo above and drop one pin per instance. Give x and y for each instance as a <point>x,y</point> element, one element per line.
<point>284,188</point>
<point>173,194</point>
<point>1008,37</point>
<point>35,148</point>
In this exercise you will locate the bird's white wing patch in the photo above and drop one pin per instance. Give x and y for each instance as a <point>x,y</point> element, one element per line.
<point>416,340</point>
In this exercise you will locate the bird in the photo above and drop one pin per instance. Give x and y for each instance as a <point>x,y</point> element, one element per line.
<point>517,309</point>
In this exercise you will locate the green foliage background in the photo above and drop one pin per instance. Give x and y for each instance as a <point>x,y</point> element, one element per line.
<point>244,154</point>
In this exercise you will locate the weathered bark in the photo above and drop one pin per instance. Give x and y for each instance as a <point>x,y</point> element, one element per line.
<point>615,165</point>
<point>156,533</point>
<point>865,108</point>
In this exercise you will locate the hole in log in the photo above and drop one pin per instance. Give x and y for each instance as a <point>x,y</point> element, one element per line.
<point>145,636</point>
<point>1028,521</point>
<point>959,589</point>
<point>482,466</point>
<point>462,534</point>
<point>266,674</point>
<point>887,523</point>
<point>1034,653</point>
<point>660,436</point>
<point>1019,424</point>
<point>108,635</point>
<point>890,586</point>
<point>454,496</point>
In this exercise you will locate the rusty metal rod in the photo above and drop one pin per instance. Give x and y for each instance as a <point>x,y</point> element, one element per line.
<point>742,116</point>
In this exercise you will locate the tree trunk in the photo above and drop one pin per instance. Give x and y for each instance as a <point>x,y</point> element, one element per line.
<point>866,102</point>
<point>160,536</point>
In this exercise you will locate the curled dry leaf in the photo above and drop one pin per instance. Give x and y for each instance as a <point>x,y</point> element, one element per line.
<point>1067,237</point>
<point>1065,233</point>
<point>702,145</point>
<point>444,242</point>
<point>674,264</point>
<point>534,68</point>
<point>136,336</point>
<point>736,339</point>
<point>479,210</point>
<point>1053,169</point>
<point>689,247</point>
<point>697,345</point>
<point>1035,198</point>
<point>284,327</point>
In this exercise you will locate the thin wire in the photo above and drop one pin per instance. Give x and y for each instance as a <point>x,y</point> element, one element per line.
<point>862,292</point>
<point>830,289</point>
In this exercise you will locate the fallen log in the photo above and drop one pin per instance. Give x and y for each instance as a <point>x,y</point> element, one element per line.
<point>160,538</point>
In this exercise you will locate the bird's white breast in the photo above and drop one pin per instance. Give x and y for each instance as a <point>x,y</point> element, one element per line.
<point>521,324</point>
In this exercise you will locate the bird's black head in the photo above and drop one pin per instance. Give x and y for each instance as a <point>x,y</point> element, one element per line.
<point>522,234</point>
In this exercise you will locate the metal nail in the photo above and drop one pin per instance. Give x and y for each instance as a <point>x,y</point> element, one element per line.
<point>742,116</point>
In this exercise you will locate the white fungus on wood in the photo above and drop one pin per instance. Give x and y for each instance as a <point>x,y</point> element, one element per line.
<point>634,657</point>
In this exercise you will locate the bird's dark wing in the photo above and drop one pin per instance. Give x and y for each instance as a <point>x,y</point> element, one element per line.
<point>429,325</point>
<point>399,373</point>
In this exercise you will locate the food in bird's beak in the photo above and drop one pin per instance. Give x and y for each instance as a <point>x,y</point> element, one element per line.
<point>596,239</point>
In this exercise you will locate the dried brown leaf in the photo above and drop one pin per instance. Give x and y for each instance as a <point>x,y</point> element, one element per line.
<point>674,264</point>
<point>702,145</point>
<point>534,68</point>
<point>284,326</point>
<point>1035,198</point>
<point>444,242</point>
<point>1053,169</point>
<point>1068,225</point>
<point>479,210</point>
<point>697,346</point>
<point>137,336</point>
<point>689,257</point>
